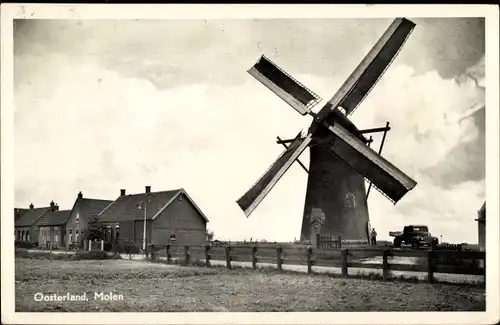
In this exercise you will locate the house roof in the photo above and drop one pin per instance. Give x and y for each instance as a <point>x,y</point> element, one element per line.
<point>31,216</point>
<point>92,207</point>
<point>18,212</point>
<point>125,208</point>
<point>55,218</point>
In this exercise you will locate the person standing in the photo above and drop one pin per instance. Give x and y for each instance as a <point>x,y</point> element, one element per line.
<point>374,237</point>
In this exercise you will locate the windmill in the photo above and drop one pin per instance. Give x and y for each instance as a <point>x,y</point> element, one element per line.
<point>340,155</point>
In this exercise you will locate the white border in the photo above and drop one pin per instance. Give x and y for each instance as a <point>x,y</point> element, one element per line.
<point>177,11</point>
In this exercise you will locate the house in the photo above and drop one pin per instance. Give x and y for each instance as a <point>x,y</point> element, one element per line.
<point>26,226</point>
<point>51,228</point>
<point>84,209</point>
<point>481,227</point>
<point>172,217</point>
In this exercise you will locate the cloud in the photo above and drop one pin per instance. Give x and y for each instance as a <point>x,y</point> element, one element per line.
<point>429,141</point>
<point>170,53</point>
<point>83,123</point>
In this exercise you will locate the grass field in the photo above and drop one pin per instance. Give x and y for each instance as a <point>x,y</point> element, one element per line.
<point>148,287</point>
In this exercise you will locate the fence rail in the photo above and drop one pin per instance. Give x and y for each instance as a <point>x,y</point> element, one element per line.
<point>431,261</point>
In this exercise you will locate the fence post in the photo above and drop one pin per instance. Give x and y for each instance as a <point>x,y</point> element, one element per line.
<point>228,256</point>
<point>207,255</point>
<point>279,260</point>
<point>186,254</point>
<point>169,257</point>
<point>385,264</point>
<point>343,259</point>
<point>430,266</point>
<point>152,252</point>
<point>309,260</point>
<point>254,257</point>
<point>339,242</point>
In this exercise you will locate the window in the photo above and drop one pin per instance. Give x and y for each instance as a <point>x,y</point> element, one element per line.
<point>76,234</point>
<point>172,237</point>
<point>70,236</point>
<point>27,235</point>
<point>19,235</point>
<point>117,229</point>
<point>77,219</point>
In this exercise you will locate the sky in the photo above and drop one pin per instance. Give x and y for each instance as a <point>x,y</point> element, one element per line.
<point>111,104</point>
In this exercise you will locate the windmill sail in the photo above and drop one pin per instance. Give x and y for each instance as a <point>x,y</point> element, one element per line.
<point>384,176</point>
<point>285,86</point>
<point>371,68</point>
<point>252,198</point>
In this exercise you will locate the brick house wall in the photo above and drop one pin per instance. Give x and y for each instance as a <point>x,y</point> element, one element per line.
<point>181,219</point>
<point>32,231</point>
<point>20,233</point>
<point>52,234</point>
<point>77,223</point>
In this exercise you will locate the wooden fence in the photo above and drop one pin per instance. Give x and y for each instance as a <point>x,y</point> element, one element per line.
<point>432,261</point>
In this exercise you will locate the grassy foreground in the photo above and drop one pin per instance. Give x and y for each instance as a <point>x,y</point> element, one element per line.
<point>154,287</point>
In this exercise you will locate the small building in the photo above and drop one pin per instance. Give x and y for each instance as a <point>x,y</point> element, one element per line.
<point>84,209</point>
<point>481,227</point>
<point>51,228</point>
<point>171,217</point>
<point>26,226</point>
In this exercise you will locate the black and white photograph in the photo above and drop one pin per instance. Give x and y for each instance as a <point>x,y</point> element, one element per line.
<point>285,159</point>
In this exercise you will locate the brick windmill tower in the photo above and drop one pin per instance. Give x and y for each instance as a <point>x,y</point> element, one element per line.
<point>340,155</point>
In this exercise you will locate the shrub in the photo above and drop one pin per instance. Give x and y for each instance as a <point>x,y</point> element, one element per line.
<point>20,244</point>
<point>75,246</point>
<point>108,246</point>
<point>92,255</point>
<point>131,248</point>
<point>116,257</point>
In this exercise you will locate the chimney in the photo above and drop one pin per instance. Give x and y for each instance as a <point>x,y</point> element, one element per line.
<point>52,206</point>
<point>56,207</point>
<point>80,195</point>
<point>148,189</point>
<point>31,206</point>
<point>122,192</point>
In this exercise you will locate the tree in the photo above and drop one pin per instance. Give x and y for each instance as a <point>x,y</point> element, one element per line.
<point>95,230</point>
<point>210,236</point>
